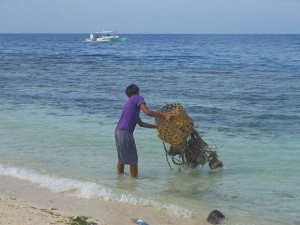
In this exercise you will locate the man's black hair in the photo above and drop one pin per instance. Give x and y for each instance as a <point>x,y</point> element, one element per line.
<point>132,90</point>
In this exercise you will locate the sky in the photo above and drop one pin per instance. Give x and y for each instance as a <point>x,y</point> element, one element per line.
<point>151,16</point>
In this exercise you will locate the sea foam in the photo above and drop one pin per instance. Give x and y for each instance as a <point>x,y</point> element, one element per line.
<point>88,190</point>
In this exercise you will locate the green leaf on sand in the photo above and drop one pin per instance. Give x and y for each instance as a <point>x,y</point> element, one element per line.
<point>79,220</point>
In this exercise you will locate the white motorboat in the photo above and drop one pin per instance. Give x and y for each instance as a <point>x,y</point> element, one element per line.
<point>105,36</point>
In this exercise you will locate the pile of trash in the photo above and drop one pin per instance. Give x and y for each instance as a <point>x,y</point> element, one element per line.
<point>185,146</point>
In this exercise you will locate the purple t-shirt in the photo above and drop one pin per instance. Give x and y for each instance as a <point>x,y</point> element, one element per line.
<point>131,113</point>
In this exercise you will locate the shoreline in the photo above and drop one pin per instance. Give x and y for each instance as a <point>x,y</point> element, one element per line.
<point>23,202</point>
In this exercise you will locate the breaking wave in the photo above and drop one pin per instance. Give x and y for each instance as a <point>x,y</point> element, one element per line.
<point>88,190</point>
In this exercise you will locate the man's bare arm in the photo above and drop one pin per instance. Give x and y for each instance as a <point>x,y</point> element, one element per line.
<point>151,113</point>
<point>146,125</point>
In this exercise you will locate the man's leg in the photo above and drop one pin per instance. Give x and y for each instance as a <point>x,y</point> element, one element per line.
<point>120,167</point>
<point>134,170</point>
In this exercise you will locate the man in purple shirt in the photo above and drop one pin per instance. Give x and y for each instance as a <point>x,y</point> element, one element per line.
<point>127,153</point>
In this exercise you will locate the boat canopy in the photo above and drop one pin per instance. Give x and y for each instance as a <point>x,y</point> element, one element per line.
<point>105,32</point>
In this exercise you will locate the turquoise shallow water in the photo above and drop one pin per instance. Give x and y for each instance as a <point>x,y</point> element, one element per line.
<point>61,99</point>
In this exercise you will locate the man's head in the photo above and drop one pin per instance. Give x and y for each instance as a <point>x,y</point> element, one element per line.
<point>132,90</point>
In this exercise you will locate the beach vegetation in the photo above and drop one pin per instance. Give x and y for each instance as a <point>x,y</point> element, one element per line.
<point>80,220</point>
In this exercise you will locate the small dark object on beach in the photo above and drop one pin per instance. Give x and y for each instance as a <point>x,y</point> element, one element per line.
<point>215,216</point>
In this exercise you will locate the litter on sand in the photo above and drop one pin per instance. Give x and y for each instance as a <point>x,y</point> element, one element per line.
<point>139,222</point>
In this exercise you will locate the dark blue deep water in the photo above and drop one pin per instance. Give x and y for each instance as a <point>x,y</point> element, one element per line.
<point>60,98</point>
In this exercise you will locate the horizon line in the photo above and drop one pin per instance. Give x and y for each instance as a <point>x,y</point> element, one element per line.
<point>157,33</point>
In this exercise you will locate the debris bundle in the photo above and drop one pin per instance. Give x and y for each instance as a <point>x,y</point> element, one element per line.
<point>186,146</point>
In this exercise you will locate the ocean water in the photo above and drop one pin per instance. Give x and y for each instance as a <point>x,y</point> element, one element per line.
<point>61,98</point>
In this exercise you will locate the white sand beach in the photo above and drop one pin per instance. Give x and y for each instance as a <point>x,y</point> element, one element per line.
<point>22,202</point>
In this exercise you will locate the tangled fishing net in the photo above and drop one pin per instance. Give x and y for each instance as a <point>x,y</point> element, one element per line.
<point>186,147</point>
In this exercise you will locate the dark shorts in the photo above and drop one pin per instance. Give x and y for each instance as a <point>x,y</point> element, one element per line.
<point>126,148</point>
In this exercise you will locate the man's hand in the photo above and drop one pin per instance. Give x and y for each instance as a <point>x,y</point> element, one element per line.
<point>169,116</point>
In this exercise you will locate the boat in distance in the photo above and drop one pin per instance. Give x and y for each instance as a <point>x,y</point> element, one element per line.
<point>105,36</point>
